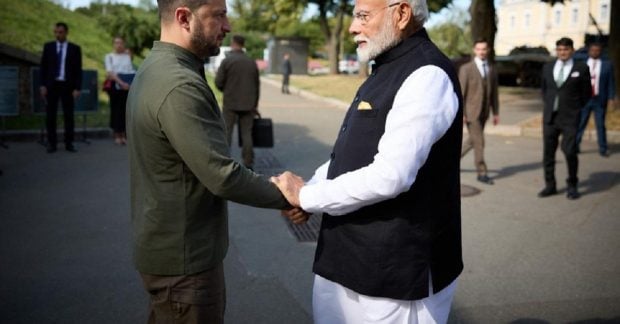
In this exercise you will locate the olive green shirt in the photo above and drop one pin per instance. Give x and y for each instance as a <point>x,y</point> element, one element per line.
<point>180,167</point>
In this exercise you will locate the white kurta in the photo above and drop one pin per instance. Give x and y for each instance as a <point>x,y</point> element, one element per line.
<point>423,110</point>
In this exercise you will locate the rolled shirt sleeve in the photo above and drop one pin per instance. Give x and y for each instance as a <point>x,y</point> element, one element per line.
<point>195,130</point>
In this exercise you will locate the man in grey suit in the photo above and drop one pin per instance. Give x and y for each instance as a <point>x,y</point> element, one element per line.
<point>603,93</point>
<point>565,88</point>
<point>478,80</point>
<point>238,78</point>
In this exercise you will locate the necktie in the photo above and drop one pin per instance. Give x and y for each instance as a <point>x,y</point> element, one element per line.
<point>560,80</point>
<point>593,78</point>
<point>59,60</point>
<point>484,70</point>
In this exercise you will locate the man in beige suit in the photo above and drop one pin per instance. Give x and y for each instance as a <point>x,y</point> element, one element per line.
<point>478,80</point>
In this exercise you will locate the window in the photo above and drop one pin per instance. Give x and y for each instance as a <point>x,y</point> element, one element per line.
<point>527,19</point>
<point>557,17</point>
<point>574,16</point>
<point>604,15</point>
<point>512,21</point>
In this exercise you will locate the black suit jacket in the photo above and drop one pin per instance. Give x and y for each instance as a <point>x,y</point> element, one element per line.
<point>73,65</point>
<point>573,94</point>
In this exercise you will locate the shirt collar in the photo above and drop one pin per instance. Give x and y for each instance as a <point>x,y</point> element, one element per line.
<point>194,61</point>
<point>402,48</point>
<point>568,62</point>
<point>479,62</point>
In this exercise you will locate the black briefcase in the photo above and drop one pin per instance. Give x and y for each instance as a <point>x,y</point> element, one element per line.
<point>262,133</point>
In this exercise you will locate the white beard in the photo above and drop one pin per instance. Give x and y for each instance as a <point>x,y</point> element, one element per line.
<point>383,41</point>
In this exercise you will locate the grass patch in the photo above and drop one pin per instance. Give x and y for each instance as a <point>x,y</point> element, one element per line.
<point>341,87</point>
<point>612,120</point>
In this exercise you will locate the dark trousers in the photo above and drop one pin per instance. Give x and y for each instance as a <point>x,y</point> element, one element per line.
<point>599,108</point>
<point>188,299</point>
<point>551,134</point>
<point>285,82</point>
<point>246,121</point>
<point>118,101</point>
<point>475,139</point>
<point>59,91</point>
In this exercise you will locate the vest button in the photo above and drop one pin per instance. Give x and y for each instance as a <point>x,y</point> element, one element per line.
<point>344,128</point>
<point>333,155</point>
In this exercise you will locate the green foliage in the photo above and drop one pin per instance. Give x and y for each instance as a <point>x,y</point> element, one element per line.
<point>269,16</point>
<point>28,24</point>
<point>453,37</point>
<point>436,5</point>
<point>139,27</point>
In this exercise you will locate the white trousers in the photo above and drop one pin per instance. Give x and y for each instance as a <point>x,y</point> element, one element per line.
<point>335,304</point>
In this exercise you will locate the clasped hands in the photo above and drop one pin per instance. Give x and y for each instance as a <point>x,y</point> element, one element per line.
<point>290,185</point>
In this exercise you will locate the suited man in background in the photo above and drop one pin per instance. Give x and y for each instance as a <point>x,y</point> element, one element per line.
<point>565,88</point>
<point>478,79</point>
<point>239,79</point>
<point>61,79</point>
<point>603,93</point>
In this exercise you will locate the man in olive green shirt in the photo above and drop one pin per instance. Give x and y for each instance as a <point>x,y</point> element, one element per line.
<point>181,169</point>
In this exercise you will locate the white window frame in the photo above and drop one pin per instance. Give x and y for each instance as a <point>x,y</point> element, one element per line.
<point>604,12</point>
<point>527,19</point>
<point>574,16</point>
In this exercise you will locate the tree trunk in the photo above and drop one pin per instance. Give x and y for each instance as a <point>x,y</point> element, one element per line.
<point>332,36</point>
<point>614,44</point>
<point>333,51</point>
<point>483,23</point>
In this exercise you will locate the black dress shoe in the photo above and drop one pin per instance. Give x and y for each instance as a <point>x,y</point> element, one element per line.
<point>604,154</point>
<point>51,149</point>
<point>572,193</point>
<point>548,191</point>
<point>71,149</point>
<point>485,179</point>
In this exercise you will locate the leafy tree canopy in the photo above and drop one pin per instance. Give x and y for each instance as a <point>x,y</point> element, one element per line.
<point>139,27</point>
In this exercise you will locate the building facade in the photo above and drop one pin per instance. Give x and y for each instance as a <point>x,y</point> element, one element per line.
<point>535,23</point>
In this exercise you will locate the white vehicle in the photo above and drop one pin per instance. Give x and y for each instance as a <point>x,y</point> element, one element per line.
<point>349,66</point>
<point>215,61</point>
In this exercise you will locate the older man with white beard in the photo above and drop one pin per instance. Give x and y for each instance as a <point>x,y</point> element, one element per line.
<point>389,248</point>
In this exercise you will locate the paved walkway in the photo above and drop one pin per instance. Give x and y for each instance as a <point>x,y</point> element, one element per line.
<point>64,239</point>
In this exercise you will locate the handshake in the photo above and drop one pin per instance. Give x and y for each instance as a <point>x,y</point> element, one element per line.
<point>290,185</point>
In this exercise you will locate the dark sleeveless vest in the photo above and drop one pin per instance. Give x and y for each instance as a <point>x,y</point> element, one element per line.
<point>387,249</point>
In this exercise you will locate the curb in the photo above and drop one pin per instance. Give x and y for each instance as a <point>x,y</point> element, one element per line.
<point>39,134</point>
<point>308,95</point>
<point>518,129</point>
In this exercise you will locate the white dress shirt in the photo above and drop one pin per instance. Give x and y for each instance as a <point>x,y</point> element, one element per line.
<point>423,110</point>
<point>595,74</point>
<point>119,63</point>
<point>483,66</point>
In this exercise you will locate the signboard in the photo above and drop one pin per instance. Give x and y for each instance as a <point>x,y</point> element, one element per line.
<point>9,90</point>
<point>88,101</point>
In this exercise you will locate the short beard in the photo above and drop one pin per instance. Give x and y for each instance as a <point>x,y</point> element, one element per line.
<point>380,43</point>
<point>200,44</point>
